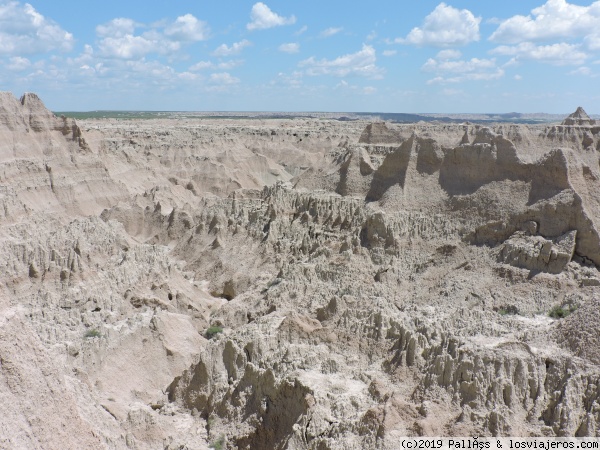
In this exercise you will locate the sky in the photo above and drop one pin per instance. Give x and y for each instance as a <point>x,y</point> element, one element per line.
<point>423,56</point>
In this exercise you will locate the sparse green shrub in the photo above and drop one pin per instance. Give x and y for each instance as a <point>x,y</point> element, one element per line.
<point>213,331</point>
<point>218,444</point>
<point>562,311</point>
<point>92,334</point>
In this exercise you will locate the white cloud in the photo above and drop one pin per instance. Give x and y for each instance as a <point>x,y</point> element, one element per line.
<point>557,54</point>
<point>151,69</point>
<point>344,86</point>
<point>188,76</point>
<point>518,77</point>
<point>301,31</point>
<point>126,47</point>
<point>456,71</point>
<point>97,69</point>
<point>554,19</point>
<point>292,81</point>
<point>116,28</point>
<point>389,52</point>
<point>445,27</point>
<point>24,31</point>
<point>330,32</point>
<point>289,48</point>
<point>223,78</point>
<point>592,41</point>
<point>474,65</point>
<point>18,63</point>
<point>118,38</point>
<point>263,18</point>
<point>231,64</point>
<point>236,48</point>
<point>448,54</point>
<point>202,65</point>
<point>583,70</point>
<point>361,63</point>
<point>187,28</point>
<point>223,65</point>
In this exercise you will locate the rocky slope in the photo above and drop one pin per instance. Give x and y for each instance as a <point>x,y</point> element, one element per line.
<point>294,283</point>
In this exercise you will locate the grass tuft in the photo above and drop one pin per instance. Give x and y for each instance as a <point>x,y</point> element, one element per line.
<point>218,444</point>
<point>562,311</point>
<point>92,334</point>
<point>213,331</point>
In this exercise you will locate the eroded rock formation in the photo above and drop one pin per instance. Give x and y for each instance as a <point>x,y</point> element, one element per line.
<point>579,117</point>
<point>294,284</point>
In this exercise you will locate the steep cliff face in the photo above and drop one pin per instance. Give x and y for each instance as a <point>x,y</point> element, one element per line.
<point>294,284</point>
<point>550,179</point>
<point>46,164</point>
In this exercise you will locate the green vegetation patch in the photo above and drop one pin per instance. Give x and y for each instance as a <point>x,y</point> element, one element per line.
<point>562,311</point>
<point>92,334</point>
<point>213,331</point>
<point>218,444</point>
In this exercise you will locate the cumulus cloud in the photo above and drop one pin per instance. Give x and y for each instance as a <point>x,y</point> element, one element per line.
<point>223,65</point>
<point>126,47</point>
<point>473,65</point>
<point>263,18</point>
<point>24,31</point>
<point>554,19</point>
<point>187,28</point>
<point>448,54</point>
<point>18,63</point>
<point>293,80</point>
<point>223,78</point>
<point>561,54</point>
<point>188,76</point>
<point>118,38</point>
<point>361,63</point>
<point>445,27</point>
<point>451,70</point>
<point>116,28</point>
<point>389,52</point>
<point>592,41</point>
<point>289,48</point>
<point>330,32</point>
<point>236,48</point>
<point>151,69</point>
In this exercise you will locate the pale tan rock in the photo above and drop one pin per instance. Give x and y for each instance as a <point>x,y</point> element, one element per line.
<point>275,283</point>
<point>579,117</point>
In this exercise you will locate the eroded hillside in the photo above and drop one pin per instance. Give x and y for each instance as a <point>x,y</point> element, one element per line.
<point>295,283</point>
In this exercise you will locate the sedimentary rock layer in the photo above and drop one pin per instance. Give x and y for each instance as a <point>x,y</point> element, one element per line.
<point>294,283</point>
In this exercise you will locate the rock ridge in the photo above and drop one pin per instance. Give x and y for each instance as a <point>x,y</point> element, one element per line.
<point>278,283</point>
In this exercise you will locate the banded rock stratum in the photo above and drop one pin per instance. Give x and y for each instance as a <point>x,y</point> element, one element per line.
<point>300,284</point>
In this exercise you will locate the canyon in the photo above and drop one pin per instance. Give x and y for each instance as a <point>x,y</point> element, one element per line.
<point>298,283</point>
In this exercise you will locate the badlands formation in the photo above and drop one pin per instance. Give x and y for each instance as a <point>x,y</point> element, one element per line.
<point>297,284</point>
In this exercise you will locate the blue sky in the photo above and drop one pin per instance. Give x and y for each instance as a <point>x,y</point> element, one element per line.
<point>328,55</point>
